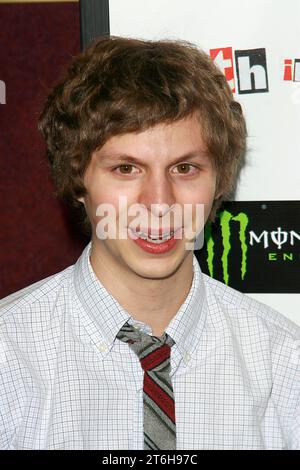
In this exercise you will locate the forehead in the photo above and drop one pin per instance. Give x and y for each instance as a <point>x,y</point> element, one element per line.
<point>162,140</point>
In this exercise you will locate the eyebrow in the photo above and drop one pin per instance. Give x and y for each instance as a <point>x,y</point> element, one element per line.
<point>129,158</point>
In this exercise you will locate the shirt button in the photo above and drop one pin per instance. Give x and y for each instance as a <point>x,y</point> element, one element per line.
<point>102,347</point>
<point>187,358</point>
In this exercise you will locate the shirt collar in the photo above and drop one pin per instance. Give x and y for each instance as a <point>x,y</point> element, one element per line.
<point>105,316</point>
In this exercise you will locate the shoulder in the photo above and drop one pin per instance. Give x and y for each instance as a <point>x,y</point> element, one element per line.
<point>245,311</point>
<point>264,344</point>
<point>36,299</point>
<point>30,335</point>
<point>267,342</point>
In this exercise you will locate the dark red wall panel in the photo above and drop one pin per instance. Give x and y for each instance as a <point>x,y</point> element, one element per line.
<point>37,238</point>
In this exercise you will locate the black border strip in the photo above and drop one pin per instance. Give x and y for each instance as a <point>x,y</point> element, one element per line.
<point>94,20</point>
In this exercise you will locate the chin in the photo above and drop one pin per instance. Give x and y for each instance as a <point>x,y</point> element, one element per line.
<point>156,267</point>
<point>154,274</point>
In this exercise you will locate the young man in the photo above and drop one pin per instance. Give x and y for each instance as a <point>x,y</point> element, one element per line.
<point>133,347</point>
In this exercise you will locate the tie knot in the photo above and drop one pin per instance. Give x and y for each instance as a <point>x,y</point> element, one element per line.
<point>153,352</point>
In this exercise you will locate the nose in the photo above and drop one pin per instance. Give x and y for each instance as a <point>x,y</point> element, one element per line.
<point>157,194</point>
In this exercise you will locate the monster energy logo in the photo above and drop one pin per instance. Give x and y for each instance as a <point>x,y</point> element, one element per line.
<point>225,222</point>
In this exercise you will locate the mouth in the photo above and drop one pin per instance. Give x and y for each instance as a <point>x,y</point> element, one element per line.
<point>161,243</point>
<point>153,235</point>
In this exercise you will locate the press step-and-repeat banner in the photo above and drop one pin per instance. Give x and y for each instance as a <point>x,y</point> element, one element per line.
<point>254,245</point>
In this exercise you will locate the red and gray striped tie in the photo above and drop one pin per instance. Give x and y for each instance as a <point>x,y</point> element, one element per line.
<point>159,406</point>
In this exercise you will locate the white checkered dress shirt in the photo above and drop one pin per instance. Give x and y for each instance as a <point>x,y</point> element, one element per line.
<point>66,382</point>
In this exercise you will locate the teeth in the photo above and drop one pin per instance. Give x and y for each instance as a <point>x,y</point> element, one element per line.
<point>153,239</point>
<point>142,235</point>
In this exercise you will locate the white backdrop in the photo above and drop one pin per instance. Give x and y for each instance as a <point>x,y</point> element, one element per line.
<point>273,118</point>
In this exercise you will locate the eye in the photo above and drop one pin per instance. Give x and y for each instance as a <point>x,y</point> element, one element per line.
<point>184,168</point>
<point>125,169</point>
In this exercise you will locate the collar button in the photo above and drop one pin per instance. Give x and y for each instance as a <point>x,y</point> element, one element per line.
<point>102,347</point>
<point>187,358</point>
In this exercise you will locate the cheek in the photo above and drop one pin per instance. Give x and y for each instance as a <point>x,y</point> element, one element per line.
<point>201,192</point>
<point>100,193</point>
<point>110,197</point>
<point>104,189</point>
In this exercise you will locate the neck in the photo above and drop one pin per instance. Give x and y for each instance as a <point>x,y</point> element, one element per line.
<point>151,301</point>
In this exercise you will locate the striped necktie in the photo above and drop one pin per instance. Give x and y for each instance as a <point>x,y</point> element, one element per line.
<point>158,398</point>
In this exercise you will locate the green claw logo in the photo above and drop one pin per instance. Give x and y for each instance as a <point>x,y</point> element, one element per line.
<point>225,221</point>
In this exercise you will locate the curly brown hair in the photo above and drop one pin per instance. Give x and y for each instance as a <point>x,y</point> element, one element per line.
<point>119,85</point>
